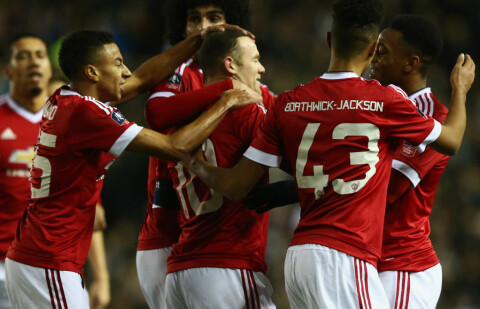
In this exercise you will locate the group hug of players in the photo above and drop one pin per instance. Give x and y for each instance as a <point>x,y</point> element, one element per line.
<point>362,241</point>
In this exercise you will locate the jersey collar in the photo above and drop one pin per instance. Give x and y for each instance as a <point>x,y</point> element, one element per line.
<point>32,117</point>
<point>420,92</point>
<point>339,75</point>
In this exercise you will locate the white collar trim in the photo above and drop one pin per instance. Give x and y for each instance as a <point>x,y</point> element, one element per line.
<point>339,75</point>
<point>32,117</point>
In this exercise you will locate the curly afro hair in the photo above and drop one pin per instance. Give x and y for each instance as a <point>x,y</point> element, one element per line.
<point>422,35</point>
<point>356,23</point>
<point>237,12</point>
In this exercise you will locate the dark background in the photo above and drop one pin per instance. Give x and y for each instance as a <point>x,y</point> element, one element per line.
<point>291,39</point>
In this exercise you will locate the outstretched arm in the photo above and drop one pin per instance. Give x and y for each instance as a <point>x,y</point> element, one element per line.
<point>187,138</point>
<point>273,195</point>
<point>462,77</point>
<point>234,183</point>
<point>157,68</point>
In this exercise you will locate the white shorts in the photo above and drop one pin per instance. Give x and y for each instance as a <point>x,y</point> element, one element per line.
<point>152,270</point>
<point>218,288</point>
<point>320,277</point>
<point>42,288</point>
<point>4,302</point>
<point>413,289</point>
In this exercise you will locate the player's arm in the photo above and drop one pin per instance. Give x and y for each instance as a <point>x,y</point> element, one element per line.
<point>99,290</point>
<point>186,139</point>
<point>461,79</point>
<point>233,183</point>
<point>157,68</point>
<point>265,197</point>
<point>162,113</point>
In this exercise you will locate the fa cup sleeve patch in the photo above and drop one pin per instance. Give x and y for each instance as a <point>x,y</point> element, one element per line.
<point>118,117</point>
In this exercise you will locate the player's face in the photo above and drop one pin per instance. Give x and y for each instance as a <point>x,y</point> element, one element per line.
<point>391,57</point>
<point>249,70</point>
<point>112,73</point>
<point>29,69</point>
<point>202,17</point>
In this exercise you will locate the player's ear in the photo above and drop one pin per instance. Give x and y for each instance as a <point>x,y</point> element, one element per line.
<point>92,73</point>
<point>230,65</point>
<point>413,64</point>
<point>6,71</point>
<point>329,39</point>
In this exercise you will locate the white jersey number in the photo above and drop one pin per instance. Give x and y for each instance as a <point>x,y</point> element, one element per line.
<point>44,165</point>
<point>320,180</point>
<point>198,207</point>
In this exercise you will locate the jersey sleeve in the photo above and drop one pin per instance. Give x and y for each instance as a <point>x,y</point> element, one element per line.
<point>415,165</point>
<point>166,109</point>
<point>98,126</point>
<point>267,147</point>
<point>406,122</point>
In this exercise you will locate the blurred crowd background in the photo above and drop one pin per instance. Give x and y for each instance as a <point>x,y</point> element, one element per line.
<point>291,39</point>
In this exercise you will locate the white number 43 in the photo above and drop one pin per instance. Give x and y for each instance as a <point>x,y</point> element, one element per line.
<point>319,180</point>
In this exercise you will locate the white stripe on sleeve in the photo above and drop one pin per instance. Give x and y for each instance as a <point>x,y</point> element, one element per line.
<point>122,142</point>
<point>407,171</point>
<point>162,94</point>
<point>437,129</point>
<point>262,157</point>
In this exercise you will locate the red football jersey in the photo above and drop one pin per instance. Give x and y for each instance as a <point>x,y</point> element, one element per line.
<point>406,245</point>
<point>18,134</point>
<point>338,133</point>
<point>56,228</point>
<point>160,226</point>
<point>217,232</point>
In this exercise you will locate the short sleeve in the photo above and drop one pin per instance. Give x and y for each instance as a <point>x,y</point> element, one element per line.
<point>95,125</point>
<point>406,122</point>
<point>267,147</point>
<point>414,165</point>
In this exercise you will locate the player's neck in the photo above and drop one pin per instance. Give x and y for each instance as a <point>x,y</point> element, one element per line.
<point>85,89</point>
<point>215,79</point>
<point>33,102</point>
<point>414,84</point>
<point>347,65</point>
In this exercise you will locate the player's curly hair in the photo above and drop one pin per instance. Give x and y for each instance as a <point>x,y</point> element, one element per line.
<point>422,35</point>
<point>80,49</point>
<point>237,12</point>
<point>356,23</point>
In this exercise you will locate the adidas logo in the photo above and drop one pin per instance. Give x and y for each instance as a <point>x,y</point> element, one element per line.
<point>8,134</point>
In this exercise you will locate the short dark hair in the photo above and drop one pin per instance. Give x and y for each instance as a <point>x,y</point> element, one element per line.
<point>7,52</point>
<point>422,35</point>
<point>356,23</point>
<point>237,12</point>
<point>80,49</point>
<point>216,47</point>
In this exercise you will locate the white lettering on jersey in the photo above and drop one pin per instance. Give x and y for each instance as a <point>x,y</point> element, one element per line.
<point>320,106</point>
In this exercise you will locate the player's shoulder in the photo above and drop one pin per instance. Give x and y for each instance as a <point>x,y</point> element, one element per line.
<point>3,103</point>
<point>428,104</point>
<point>72,99</point>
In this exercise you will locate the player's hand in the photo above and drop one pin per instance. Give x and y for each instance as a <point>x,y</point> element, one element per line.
<point>192,160</point>
<point>239,85</point>
<point>221,28</point>
<point>262,198</point>
<point>235,98</point>
<point>100,221</point>
<point>99,293</point>
<point>463,73</point>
